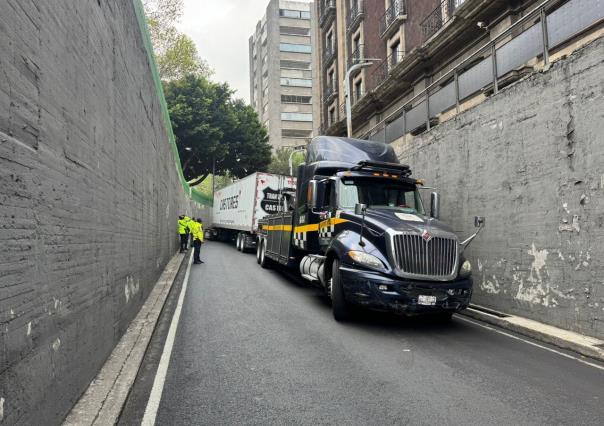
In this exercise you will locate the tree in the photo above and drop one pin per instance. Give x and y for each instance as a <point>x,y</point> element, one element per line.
<point>280,161</point>
<point>213,131</point>
<point>163,13</point>
<point>175,52</point>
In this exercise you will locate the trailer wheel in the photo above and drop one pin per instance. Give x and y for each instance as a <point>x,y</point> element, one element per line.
<point>339,306</point>
<point>264,261</point>
<point>258,249</point>
<point>238,242</point>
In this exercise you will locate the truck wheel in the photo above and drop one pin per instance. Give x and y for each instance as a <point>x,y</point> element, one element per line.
<point>339,306</point>
<point>238,242</point>
<point>264,261</point>
<point>258,248</point>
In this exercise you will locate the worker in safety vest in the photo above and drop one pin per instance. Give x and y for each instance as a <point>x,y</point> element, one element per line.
<point>183,231</point>
<point>197,231</point>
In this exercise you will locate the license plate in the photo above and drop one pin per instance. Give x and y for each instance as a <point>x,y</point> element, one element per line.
<point>426,300</point>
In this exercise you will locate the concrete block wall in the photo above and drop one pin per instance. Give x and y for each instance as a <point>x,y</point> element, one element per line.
<point>89,196</point>
<point>530,159</point>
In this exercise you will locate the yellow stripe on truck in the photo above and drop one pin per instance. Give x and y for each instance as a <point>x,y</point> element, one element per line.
<point>332,221</point>
<point>307,228</point>
<point>313,227</point>
<point>277,227</point>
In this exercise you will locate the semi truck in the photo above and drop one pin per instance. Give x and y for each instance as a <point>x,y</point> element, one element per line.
<point>357,227</point>
<point>239,207</point>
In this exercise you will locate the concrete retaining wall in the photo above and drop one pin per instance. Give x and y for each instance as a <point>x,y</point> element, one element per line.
<point>530,159</point>
<point>89,196</point>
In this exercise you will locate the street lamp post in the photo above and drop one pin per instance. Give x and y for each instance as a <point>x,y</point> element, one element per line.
<point>366,63</point>
<point>291,158</point>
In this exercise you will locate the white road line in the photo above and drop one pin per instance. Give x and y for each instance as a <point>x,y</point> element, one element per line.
<point>531,343</point>
<point>164,362</point>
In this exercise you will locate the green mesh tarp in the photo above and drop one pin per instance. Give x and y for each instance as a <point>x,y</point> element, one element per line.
<point>142,22</point>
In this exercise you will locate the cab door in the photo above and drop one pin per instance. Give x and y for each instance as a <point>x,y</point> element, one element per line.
<point>327,225</point>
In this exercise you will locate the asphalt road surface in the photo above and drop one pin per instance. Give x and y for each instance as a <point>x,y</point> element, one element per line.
<point>255,346</point>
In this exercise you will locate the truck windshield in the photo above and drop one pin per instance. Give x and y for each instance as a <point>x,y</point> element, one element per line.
<point>379,194</point>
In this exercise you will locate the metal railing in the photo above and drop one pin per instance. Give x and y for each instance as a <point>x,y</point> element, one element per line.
<point>328,55</point>
<point>534,36</point>
<point>357,55</point>
<point>383,69</point>
<point>327,10</point>
<point>329,92</point>
<point>439,17</point>
<point>355,15</point>
<point>396,11</point>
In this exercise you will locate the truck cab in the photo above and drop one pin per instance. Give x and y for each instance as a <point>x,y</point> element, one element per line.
<point>361,231</point>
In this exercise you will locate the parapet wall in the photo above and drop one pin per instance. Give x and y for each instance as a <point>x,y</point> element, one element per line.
<point>530,159</point>
<point>89,196</point>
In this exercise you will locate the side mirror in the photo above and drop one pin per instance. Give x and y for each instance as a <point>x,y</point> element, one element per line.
<point>479,221</point>
<point>435,205</point>
<point>311,196</point>
<point>359,208</point>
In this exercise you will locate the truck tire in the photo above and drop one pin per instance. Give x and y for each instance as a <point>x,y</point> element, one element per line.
<point>339,306</point>
<point>239,242</point>
<point>265,262</point>
<point>258,248</point>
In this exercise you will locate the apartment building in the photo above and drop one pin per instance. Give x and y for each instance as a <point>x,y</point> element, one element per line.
<point>427,60</point>
<point>283,84</point>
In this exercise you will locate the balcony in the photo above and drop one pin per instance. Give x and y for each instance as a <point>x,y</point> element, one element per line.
<point>355,15</point>
<point>330,92</point>
<point>439,17</point>
<point>328,55</point>
<point>384,68</point>
<point>357,56</point>
<point>396,13</point>
<point>327,11</point>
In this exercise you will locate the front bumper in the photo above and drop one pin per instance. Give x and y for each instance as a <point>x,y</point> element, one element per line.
<point>361,287</point>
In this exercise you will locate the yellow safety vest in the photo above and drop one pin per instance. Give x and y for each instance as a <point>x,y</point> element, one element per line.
<point>197,230</point>
<point>183,225</point>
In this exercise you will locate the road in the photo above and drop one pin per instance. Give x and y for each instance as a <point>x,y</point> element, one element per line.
<point>255,346</point>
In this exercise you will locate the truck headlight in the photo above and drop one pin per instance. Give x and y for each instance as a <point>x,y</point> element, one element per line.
<point>366,259</point>
<point>466,269</point>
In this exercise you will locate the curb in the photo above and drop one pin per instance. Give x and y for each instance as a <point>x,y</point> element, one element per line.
<point>583,345</point>
<point>106,395</point>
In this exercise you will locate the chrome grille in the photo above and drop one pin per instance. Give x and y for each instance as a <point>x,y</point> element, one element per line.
<point>413,255</point>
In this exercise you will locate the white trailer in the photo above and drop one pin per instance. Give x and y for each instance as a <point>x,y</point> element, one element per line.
<point>239,207</point>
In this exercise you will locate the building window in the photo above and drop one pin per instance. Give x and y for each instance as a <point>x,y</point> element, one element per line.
<point>329,44</point>
<point>296,48</point>
<point>295,14</point>
<point>301,65</point>
<point>296,82</point>
<point>294,31</point>
<point>296,116</point>
<point>332,116</point>
<point>295,133</point>
<point>358,90</point>
<point>331,80</point>
<point>395,53</point>
<point>292,99</point>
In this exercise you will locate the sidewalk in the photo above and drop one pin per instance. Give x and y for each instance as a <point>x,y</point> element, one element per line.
<point>584,345</point>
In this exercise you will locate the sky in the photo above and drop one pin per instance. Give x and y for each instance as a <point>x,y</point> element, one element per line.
<point>221,30</point>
